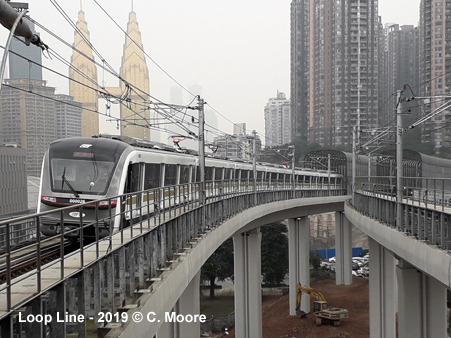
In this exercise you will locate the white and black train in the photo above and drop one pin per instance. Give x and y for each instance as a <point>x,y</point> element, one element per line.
<point>82,170</point>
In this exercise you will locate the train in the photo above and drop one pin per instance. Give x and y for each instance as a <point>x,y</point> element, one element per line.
<point>81,170</point>
<point>421,173</point>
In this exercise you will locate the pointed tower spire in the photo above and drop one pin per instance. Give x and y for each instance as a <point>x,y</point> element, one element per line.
<point>134,70</point>
<point>84,72</point>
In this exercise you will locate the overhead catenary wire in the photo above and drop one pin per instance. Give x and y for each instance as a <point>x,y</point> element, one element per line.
<point>177,115</point>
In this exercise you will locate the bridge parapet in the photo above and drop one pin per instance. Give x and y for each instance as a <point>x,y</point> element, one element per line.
<point>425,206</point>
<point>120,268</point>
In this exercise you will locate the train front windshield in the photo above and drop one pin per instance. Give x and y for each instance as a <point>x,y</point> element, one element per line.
<point>80,175</point>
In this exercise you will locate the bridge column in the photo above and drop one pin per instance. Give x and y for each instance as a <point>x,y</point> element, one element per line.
<point>343,250</point>
<point>422,304</point>
<point>189,304</point>
<point>382,291</point>
<point>298,256</point>
<point>248,297</point>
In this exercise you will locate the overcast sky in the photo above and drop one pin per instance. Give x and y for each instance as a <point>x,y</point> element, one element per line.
<point>238,51</point>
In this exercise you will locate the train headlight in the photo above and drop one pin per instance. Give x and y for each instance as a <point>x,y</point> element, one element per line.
<point>107,203</point>
<point>48,199</point>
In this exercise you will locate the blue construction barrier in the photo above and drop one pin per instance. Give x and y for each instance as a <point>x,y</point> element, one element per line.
<point>329,253</point>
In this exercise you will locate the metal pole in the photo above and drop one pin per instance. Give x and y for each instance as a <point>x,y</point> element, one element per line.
<point>293,173</point>
<point>8,44</point>
<point>254,163</point>
<point>328,172</point>
<point>354,162</point>
<point>202,192</point>
<point>399,156</point>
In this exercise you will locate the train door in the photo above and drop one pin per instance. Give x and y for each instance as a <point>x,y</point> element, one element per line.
<point>134,184</point>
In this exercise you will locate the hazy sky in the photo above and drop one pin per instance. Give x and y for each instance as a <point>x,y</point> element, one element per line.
<point>238,51</point>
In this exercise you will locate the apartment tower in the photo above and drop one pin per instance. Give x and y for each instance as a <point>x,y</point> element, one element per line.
<point>278,121</point>
<point>435,69</point>
<point>334,69</point>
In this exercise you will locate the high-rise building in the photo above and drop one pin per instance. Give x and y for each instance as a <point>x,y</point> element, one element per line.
<point>25,62</point>
<point>135,118</point>
<point>399,67</point>
<point>334,69</point>
<point>13,180</point>
<point>435,69</point>
<point>134,70</point>
<point>83,75</point>
<point>278,121</point>
<point>239,129</point>
<point>28,120</point>
<point>300,49</point>
<point>68,116</point>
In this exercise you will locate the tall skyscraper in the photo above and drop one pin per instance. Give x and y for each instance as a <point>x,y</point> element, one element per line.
<point>135,117</point>
<point>29,66</point>
<point>83,72</point>
<point>278,121</point>
<point>134,70</point>
<point>399,63</point>
<point>435,69</point>
<point>334,68</point>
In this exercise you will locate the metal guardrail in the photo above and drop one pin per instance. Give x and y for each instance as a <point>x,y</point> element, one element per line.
<point>149,210</point>
<point>425,206</point>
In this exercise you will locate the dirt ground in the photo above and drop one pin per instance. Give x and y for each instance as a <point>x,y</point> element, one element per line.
<point>277,323</point>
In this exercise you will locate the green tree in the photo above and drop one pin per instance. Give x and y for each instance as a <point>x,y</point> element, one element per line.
<point>274,253</point>
<point>219,266</point>
<point>315,260</point>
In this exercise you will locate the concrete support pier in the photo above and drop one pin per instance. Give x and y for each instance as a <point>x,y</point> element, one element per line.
<point>188,304</point>
<point>343,250</point>
<point>382,292</point>
<point>299,251</point>
<point>422,304</point>
<point>248,297</point>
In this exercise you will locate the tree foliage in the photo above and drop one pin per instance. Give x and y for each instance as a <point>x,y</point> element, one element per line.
<point>219,265</point>
<point>274,253</point>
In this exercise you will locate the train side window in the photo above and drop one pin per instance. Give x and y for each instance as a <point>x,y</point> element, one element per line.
<point>244,175</point>
<point>151,176</point>
<point>218,174</point>
<point>228,173</point>
<point>184,174</point>
<point>208,174</point>
<point>170,175</point>
<point>197,174</point>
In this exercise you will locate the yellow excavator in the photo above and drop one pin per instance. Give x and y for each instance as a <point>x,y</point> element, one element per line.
<point>321,310</point>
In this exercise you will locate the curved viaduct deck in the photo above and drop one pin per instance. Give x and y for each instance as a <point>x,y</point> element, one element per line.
<point>170,289</point>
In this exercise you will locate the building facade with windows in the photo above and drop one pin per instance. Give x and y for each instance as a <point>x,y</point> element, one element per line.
<point>334,69</point>
<point>278,121</point>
